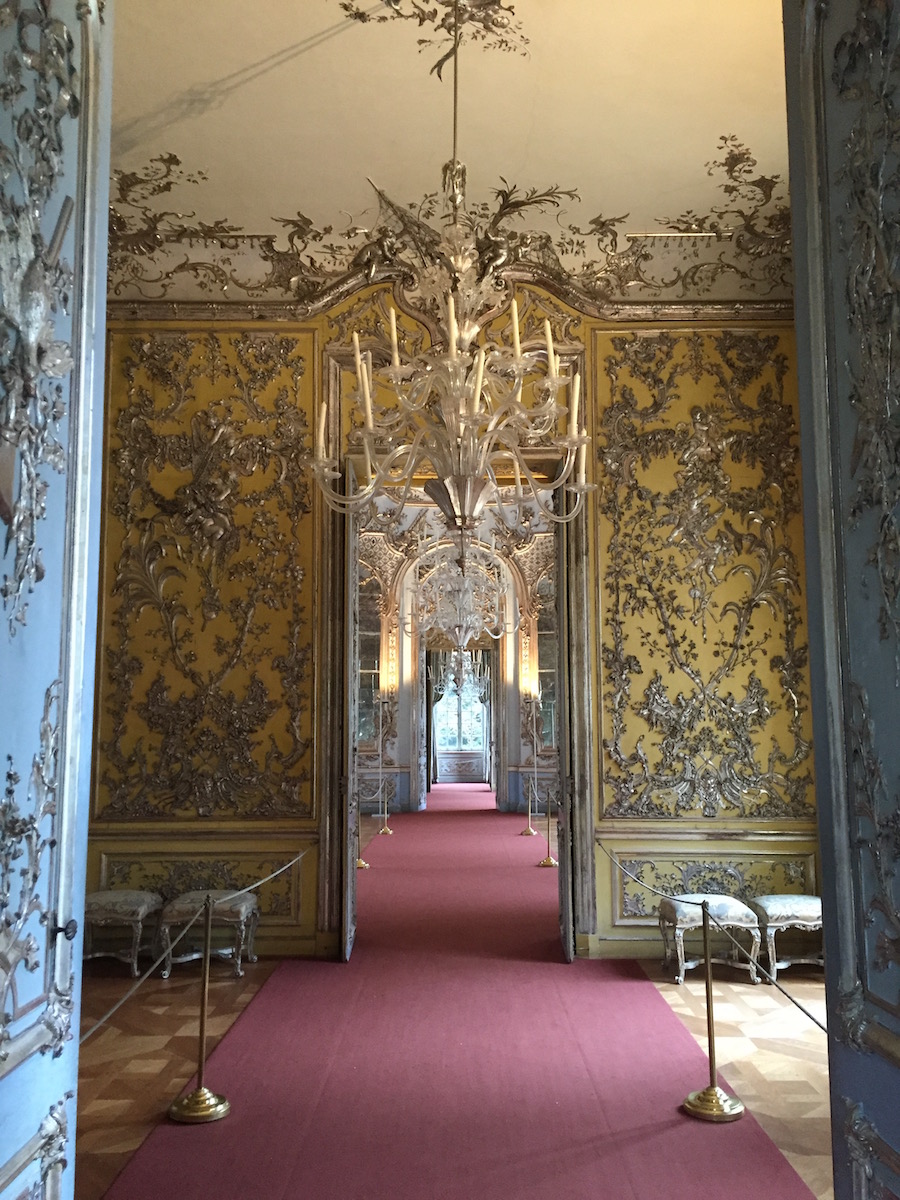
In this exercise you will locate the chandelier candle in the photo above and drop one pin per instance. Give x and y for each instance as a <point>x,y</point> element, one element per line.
<point>514,317</point>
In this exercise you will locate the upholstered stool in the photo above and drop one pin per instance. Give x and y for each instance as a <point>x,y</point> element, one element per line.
<point>122,907</point>
<point>241,911</point>
<point>680,913</point>
<point>777,913</point>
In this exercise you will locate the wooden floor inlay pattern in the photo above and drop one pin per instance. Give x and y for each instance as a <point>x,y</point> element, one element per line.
<point>139,1062</point>
<point>774,1058</point>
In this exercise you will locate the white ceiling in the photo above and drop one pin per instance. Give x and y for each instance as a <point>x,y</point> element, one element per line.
<point>290,105</point>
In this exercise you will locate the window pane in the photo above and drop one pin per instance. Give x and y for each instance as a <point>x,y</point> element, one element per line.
<point>471,717</point>
<point>446,720</point>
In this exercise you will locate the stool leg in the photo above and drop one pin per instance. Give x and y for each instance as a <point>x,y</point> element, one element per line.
<point>679,950</point>
<point>667,949</point>
<point>239,934</point>
<point>165,943</point>
<point>770,950</point>
<point>754,956</point>
<point>136,930</point>
<point>251,934</point>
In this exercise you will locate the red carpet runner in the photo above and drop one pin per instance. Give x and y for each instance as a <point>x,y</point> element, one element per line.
<point>456,1057</point>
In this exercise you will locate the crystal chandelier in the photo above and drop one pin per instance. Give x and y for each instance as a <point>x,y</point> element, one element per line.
<point>463,598</point>
<point>460,667</point>
<point>476,419</point>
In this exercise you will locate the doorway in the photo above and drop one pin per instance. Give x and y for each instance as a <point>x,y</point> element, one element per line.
<point>459,716</point>
<point>503,714</point>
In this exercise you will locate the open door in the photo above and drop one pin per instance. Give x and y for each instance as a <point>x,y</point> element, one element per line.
<point>564,805</point>
<point>576,824</point>
<point>843,76</point>
<point>351,726</point>
<point>54,139</point>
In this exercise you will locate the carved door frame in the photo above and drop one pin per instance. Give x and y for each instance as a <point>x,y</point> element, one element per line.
<point>843,72</point>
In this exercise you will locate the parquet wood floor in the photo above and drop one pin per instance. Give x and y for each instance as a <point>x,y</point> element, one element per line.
<point>138,1063</point>
<point>773,1057</point>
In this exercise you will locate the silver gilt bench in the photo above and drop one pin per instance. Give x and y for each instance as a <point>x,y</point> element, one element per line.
<point>779,912</point>
<point>128,907</point>
<point>680,914</point>
<point>240,912</point>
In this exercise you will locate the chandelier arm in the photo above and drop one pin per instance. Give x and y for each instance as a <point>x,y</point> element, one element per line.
<point>459,408</point>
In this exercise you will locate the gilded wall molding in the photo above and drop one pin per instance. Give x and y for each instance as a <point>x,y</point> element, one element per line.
<point>704,658</point>
<point>638,312</point>
<point>173,873</point>
<point>740,249</point>
<point>36,1012</point>
<point>743,875</point>
<point>206,683</point>
<point>874,1162</point>
<point>44,1153</point>
<point>39,94</point>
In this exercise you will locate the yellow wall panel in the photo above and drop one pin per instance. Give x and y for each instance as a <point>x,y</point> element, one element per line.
<point>206,705</point>
<point>703,649</point>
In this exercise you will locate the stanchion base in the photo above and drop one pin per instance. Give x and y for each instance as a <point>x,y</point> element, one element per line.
<point>362,865</point>
<point>549,861</point>
<point>529,832</point>
<point>712,1104</point>
<point>385,829</point>
<point>198,1107</point>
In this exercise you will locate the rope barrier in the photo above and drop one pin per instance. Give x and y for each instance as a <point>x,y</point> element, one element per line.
<point>139,982</point>
<point>252,886</point>
<point>699,904</point>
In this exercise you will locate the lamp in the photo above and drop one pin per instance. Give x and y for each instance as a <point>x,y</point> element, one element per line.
<point>462,597</point>
<point>462,424</point>
<point>461,667</point>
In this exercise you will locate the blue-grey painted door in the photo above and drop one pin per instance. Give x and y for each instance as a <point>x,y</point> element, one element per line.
<point>843,73</point>
<point>54,126</point>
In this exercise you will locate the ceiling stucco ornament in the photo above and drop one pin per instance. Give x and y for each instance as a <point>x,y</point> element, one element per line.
<point>737,250</point>
<point>487,21</point>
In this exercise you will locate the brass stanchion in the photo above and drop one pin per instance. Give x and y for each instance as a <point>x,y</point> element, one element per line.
<point>201,1104</point>
<point>361,863</point>
<point>712,1103</point>
<point>529,830</point>
<point>549,861</point>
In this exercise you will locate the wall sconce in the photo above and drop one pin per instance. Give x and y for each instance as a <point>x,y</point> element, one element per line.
<point>390,678</point>
<point>529,679</point>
